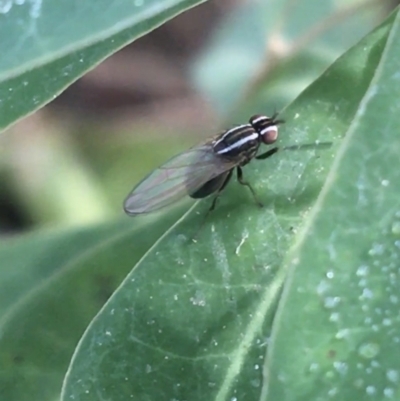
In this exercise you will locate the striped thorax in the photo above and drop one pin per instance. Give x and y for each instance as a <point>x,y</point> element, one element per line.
<point>242,142</point>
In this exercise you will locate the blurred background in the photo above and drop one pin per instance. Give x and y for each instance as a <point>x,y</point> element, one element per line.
<point>73,162</point>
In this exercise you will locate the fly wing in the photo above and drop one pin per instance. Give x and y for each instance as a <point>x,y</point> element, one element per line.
<point>180,176</point>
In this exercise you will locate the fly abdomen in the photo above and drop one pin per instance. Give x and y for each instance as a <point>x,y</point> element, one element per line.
<point>209,187</point>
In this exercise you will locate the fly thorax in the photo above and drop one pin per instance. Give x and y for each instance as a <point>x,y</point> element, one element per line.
<point>239,143</point>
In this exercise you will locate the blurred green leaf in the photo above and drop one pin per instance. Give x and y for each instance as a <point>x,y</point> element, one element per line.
<point>48,45</point>
<point>51,287</point>
<point>28,261</point>
<point>192,320</point>
<point>238,49</point>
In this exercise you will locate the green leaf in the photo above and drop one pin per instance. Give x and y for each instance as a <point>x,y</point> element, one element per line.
<point>48,45</point>
<point>52,285</point>
<point>193,320</point>
<point>344,267</point>
<point>28,261</point>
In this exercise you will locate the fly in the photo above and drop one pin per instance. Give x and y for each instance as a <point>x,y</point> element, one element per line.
<point>207,168</point>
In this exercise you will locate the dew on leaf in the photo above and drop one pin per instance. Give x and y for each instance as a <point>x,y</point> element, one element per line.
<point>362,270</point>
<point>198,299</point>
<point>366,294</point>
<point>392,375</point>
<point>342,334</point>
<point>333,391</point>
<point>370,390</point>
<point>5,6</point>
<point>369,350</point>
<point>362,282</point>
<point>322,287</point>
<point>376,249</point>
<point>330,274</point>
<point>396,228</point>
<point>341,367</point>
<point>334,317</point>
<point>375,364</point>
<point>331,302</point>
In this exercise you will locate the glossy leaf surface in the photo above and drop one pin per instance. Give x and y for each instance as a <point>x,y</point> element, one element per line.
<point>48,45</point>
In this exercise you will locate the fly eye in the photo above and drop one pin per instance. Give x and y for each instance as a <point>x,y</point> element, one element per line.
<point>270,134</point>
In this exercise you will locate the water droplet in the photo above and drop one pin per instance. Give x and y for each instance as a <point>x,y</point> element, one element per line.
<point>385,183</point>
<point>341,367</point>
<point>388,392</point>
<point>375,364</point>
<point>394,299</point>
<point>36,6</point>
<point>366,294</point>
<point>396,228</point>
<point>5,6</point>
<point>369,350</point>
<point>334,317</point>
<point>330,274</point>
<point>314,367</point>
<point>362,271</point>
<point>377,249</point>
<point>198,299</point>
<point>333,391</point>
<point>322,287</point>
<point>331,302</point>
<point>370,390</point>
<point>342,334</point>
<point>392,375</point>
<point>387,322</point>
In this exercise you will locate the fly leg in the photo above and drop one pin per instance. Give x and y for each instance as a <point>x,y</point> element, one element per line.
<point>239,173</point>
<point>267,154</point>
<point>214,202</point>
